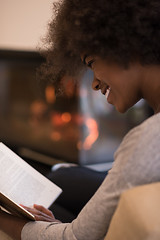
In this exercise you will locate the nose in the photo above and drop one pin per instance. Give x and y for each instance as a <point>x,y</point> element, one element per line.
<point>96,84</point>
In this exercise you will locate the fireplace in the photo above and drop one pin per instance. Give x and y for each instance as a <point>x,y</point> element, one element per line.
<point>78,127</point>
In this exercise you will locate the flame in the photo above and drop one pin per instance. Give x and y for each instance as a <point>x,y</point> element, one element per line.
<point>59,119</point>
<point>79,145</point>
<point>50,94</point>
<point>56,119</point>
<point>66,117</point>
<point>70,88</point>
<point>56,136</point>
<point>93,133</point>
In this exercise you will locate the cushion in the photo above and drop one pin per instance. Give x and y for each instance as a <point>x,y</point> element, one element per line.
<point>137,216</point>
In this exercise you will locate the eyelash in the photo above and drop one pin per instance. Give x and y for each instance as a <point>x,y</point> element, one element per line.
<point>89,64</point>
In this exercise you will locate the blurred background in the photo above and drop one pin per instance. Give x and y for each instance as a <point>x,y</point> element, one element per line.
<point>78,127</point>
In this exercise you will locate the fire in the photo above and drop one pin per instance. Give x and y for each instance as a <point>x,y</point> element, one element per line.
<point>50,94</point>
<point>56,136</point>
<point>93,133</point>
<point>60,119</point>
<point>66,117</point>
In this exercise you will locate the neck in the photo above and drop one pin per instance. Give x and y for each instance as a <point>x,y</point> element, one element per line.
<point>151,87</point>
<point>157,110</point>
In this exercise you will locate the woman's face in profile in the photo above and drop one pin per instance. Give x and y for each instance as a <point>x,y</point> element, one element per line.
<point>121,86</point>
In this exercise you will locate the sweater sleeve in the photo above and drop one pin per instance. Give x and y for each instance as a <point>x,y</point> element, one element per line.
<point>91,223</point>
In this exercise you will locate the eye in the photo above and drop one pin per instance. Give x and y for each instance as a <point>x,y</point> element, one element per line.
<point>89,64</point>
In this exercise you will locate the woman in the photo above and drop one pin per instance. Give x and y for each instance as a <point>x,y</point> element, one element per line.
<point>119,41</point>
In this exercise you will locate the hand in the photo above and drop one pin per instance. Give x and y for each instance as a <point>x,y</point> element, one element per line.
<point>41,213</point>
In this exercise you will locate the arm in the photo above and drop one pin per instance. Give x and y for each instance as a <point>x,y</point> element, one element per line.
<point>132,167</point>
<point>16,224</point>
<point>11,225</point>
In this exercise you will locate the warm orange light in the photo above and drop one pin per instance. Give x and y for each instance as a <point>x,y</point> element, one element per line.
<point>66,117</point>
<point>79,145</point>
<point>69,86</point>
<point>93,133</point>
<point>50,94</point>
<point>38,107</point>
<point>55,136</point>
<point>56,119</point>
<point>78,119</point>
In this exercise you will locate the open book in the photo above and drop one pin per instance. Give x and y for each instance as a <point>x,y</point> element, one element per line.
<point>22,184</point>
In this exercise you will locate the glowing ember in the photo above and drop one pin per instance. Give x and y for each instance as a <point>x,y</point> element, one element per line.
<point>79,145</point>
<point>56,119</point>
<point>56,136</point>
<point>66,117</point>
<point>50,94</point>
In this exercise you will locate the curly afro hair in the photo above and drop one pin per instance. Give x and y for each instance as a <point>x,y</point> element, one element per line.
<point>123,31</point>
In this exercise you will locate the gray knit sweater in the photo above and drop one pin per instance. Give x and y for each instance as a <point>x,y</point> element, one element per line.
<point>137,162</point>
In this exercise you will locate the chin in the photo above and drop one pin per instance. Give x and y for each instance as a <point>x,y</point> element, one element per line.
<point>121,109</point>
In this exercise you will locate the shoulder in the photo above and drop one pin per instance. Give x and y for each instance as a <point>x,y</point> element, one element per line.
<point>141,144</point>
<point>144,132</point>
<point>151,125</point>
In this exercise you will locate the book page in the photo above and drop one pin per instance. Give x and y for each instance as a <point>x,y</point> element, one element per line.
<point>22,183</point>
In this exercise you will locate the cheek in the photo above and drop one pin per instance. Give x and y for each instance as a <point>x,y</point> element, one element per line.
<point>122,98</point>
<point>101,74</point>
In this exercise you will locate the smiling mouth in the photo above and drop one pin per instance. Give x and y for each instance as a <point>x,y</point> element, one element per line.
<point>107,92</point>
<point>104,89</point>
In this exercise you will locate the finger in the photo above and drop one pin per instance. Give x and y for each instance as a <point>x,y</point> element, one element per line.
<point>32,210</point>
<point>37,213</point>
<point>41,216</point>
<point>43,209</point>
<point>44,218</point>
<point>25,207</point>
<point>39,208</point>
